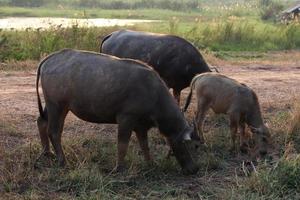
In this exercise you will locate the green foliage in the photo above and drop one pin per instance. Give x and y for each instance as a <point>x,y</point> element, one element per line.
<point>27,3</point>
<point>294,132</point>
<point>34,44</point>
<point>265,3</point>
<point>270,9</point>
<point>228,35</point>
<point>111,4</point>
<point>237,35</point>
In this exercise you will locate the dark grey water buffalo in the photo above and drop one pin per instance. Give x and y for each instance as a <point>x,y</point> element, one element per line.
<point>176,60</point>
<point>105,89</point>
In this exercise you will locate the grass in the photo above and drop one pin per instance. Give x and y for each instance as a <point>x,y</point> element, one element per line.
<point>236,35</point>
<point>88,175</point>
<point>91,159</point>
<point>280,178</point>
<point>18,45</point>
<point>95,13</point>
<point>220,36</point>
<point>295,127</point>
<point>9,129</point>
<point>280,181</point>
<point>221,28</point>
<point>206,10</point>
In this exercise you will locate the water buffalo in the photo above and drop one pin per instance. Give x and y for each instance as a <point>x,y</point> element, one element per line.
<point>176,60</point>
<point>101,88</point>
<point>226,95</point>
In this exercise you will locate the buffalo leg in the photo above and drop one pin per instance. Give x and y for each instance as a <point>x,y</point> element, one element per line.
<point>42,126</point>
<point>202,108</point>
<point>176,94</point>
<point>234,123</point>
<point>56,118</point>
<point>143,141</point>
<point>124,134</point>
<point>243,140</point>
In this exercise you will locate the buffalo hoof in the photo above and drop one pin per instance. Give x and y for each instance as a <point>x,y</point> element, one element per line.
<point>119,169</point>
<point>61,162</point>
<point>190,170</point>
<point>45,159</point>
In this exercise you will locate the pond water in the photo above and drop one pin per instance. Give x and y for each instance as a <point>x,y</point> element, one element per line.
<point>47,22</point>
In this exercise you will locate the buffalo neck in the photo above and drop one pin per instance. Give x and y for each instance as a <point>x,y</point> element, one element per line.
<point>201,64</point>
<point>254,118</point>
<point>170,120</point>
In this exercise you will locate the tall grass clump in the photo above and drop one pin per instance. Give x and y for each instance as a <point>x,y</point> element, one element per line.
<point>34,44</point>
<point>235,34</point>
<point>278,182</point>
<point>295,127</point>
<point>291,34</point>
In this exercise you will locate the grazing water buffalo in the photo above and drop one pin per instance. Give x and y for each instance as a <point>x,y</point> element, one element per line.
<point>176,60</point>
<point>100,88</point>
<point>225,95</point>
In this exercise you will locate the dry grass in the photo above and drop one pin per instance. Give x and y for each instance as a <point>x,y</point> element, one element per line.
<point>19,65</point>
<point>92,157</point>
<point>88,174</point>
<point>90,148</point>
<point>295,126</point>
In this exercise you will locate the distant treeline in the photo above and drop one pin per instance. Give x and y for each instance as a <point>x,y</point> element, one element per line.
<point>108,4</point>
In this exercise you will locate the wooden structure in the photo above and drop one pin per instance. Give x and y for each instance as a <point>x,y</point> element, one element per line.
<point>292,13</point>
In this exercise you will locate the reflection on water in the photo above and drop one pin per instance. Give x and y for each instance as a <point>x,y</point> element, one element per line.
<point>47,22</point>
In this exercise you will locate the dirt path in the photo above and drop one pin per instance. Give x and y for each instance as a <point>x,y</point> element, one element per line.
<point>276,85</point>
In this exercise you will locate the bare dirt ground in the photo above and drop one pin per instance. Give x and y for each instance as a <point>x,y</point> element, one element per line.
<point>275,78</point>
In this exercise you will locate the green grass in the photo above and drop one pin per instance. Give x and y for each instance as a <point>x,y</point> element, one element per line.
<point>95,13</point>
<point>238,35</point>
<point>206,13</point>
<point>220,28</point>
<point>224,35</point>
<point>294,131</point>
<point>280,181</point>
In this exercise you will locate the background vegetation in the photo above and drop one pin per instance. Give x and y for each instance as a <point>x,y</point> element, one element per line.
<point>212,25</point>
<point>121,4</point>
<point>230,35</point>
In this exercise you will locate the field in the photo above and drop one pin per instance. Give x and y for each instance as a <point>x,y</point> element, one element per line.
<point>90,148</point>
<point>230,34</point>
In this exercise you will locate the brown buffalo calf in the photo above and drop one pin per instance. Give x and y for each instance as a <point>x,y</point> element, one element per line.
<point>227,96</point>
